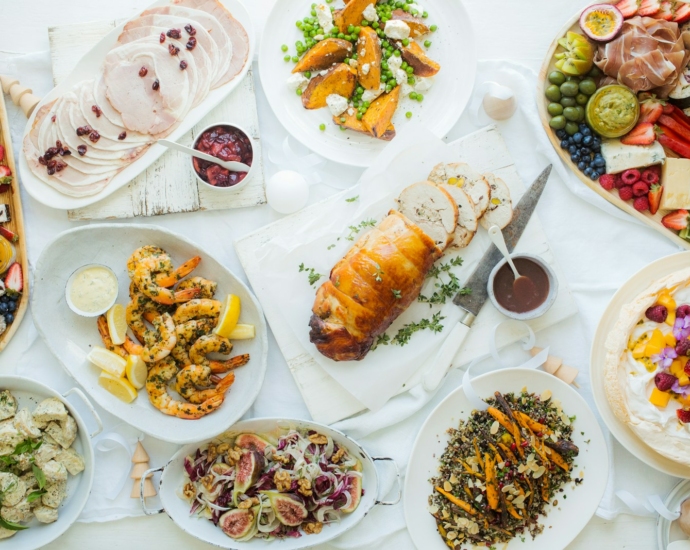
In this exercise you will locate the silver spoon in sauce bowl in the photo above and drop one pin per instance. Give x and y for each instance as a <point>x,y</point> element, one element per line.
<point>523,287</point>
<point>227,164</point>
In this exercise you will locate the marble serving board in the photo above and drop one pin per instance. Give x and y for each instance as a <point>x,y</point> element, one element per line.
<point>326,400</point>
<point>168,186</point>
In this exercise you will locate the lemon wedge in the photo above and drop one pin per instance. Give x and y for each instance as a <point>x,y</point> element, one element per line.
<point>110,362</point>
<point>229,315</point>
<point>242,332</point>
<point>136,371</point>
<point>117,324</point>
<point>119,387</point>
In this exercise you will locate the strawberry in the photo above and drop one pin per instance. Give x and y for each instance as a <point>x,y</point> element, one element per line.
<point>9,235</point>
<point>649,7</point>
<point>677,220</point>
<point>628,7</point>
<point>5,171</point>
<point>654,197</point>
<point>642,134</point>
<point>681,15</point>
<point>14,280</point>
<point>650,111</point>
<point>666,11</point>
<point>682,414</point>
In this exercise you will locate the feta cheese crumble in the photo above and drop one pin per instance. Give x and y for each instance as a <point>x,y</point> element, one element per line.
<point>371,95</point>
<point>296,82</point>
<point>337,104</point>
<point>325,17</point>
<point>423,84</point>
<point>370,14</point>
<point>397,30</point>
<point>365,69</point>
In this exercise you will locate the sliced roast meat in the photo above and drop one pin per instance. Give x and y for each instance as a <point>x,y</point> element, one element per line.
<point>467,217</point>
<point>500,210</point>
<point>466,177</point>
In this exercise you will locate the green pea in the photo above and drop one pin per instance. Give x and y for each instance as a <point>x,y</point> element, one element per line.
<point>365,23</point>
<point>420,97</point>
<point>413,95</point>
<point>351,29</point>
<point>389,87</point>
<point>408,114</point>
<point>343,128</point>
<point>425,15</point>
<point>556,77</point>
<point>384,78</point>
<point>343,119</point>
<point>570,113</point>
<point>397,53</point>
<point>588,86</point>
<point>555,109</point>
<point>287,58</point>
<point>553,93</point>
<point>307,74</point>
<point>557,122</point>
<point>427,43</point>
<point>569,88</point>
<point>299,24</point>
<point>409,70</point>
<point>359,116</point>
<point>433,28</point>
<point>571,128</point>
<point>284,47</point>
<point>299,91</point>
<point>341,36</point>
<point>295,59</point>
<point>313,13</point>
<point>375,25</point>
<point>404,65</point>
<point>360,90</point>
<point>568,101</point>
<point>411,81</point>
<point>366,104</point>
<point>406,42</point>
<point>358,30</point>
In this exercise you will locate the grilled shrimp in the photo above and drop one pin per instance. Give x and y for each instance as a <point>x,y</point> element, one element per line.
<point>158,342</point>
<point>213,343</point>
<point>177,274</point>
<point>206,287</point>
<point>167,276</point>
<point>196,309</point>
<point>193,383</point>
<point>148,251</point>
<point>144,279</point>
<point>160,374</point>
<point>187,333</point>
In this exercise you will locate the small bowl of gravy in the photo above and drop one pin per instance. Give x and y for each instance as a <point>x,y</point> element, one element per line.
<point>91,290</point>
<point>528,300</point>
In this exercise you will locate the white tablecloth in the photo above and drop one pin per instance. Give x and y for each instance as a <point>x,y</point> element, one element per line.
<point>597,249</point>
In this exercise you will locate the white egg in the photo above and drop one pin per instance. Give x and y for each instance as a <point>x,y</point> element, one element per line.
<point>499,102</point>
<point>287,192</point>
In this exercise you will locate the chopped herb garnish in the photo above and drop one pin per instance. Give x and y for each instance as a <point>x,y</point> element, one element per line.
<point>354,229</point>
<point>352,199</point>
<point>396,293</point>
<point>311,274</point>
<point>39,475</point>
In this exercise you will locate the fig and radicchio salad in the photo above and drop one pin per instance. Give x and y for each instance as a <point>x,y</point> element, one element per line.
<point>263,486</point>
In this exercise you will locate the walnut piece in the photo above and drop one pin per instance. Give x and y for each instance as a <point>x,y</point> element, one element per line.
<point>282,480</point>
<point>246,504</point>
<point>304,487</point>
<point>281,458</point>
<point>189,491</point>
<point>338,455</point>
<point>208,482</point>
<point>312,528</point>
<point>318,439</point>
<point>233,456</point>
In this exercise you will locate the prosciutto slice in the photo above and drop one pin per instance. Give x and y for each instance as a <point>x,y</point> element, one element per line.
<point>648,54</point>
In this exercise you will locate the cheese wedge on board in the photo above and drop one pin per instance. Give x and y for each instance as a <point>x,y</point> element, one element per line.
<point>675,179</point>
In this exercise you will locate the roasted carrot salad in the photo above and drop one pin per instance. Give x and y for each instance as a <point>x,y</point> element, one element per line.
<point>501,470</point>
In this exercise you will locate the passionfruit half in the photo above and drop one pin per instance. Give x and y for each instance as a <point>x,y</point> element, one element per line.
<point>601,22</point>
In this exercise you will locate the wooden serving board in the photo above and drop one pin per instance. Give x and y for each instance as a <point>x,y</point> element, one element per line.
<point>169,184</point>
<point>16,224</point>
<point>651,220</point>
<point>326,400</point>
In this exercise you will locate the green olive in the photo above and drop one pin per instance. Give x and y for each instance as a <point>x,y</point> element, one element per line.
<point>588,86</point>
<point>555,109</point>
<point>594,72</point>
<point>581,99</point>
<point>553,93</point>
<point>571,128</point>
<point>570,88</point>
<point>568,101</point>
<point>570,113</point>
<point>557,122</point>
<point>580,113</point>
<point>556,77</point>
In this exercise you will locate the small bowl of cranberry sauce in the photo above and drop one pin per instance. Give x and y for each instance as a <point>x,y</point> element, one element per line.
<point>228,142</point>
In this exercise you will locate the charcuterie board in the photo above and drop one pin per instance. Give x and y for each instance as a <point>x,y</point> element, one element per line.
<point>548,65</point>
<point>326,400</point>
<point>154,192</point>
<point>16,224</point>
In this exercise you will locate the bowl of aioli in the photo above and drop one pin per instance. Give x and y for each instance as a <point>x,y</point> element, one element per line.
<point>91,290</point>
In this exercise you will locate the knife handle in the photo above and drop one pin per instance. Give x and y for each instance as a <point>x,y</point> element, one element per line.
<point>444,357</point>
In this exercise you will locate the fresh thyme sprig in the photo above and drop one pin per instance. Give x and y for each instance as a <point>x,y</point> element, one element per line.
<point>405,333</point>
<point>352,199</point>
<point>354,229</point>
<point>312,274</point>
<point>445,290</point>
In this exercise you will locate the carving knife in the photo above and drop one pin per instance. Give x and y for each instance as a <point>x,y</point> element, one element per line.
<point>471,303</point>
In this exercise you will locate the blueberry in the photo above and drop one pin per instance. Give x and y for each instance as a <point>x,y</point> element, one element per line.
<point>585,150</point>
<point>562,134</point>
<point>9,318</point>
<point>582,165</point>
<point>587,140</point>
<point>588,170</point>
<point>577,137</point>
<point>4,308</point>
<point>572,149</point>
<point>575,157</point>
<point>596,147</point>
<point>564,144</point>
<point>595,175</point>
<point>586,131</point>
<point>582,127</point>
<point>4,298</point>
<point>11,305</point>
<point>599,161</point>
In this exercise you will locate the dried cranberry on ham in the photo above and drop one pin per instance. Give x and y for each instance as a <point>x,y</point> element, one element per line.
<point>94,136</point>
<point>65,152</point>
<point>174,33</point>
<point>83,130</point>
<point>96,109</point>
<point>183,64</point>
<point>191,43</point>
<point>58,144</point>
<point>52,118</point>
<point>143,72</point>
<point>59,166</point>
<point>122,136</point>
<point>190,30</point>
<point>42,161</point>
<point>51,171</point>
<point>162,38</point>
<point>81,150</point>
<point>52,163</point>
<point>174,50</point>
<point>156,84</point>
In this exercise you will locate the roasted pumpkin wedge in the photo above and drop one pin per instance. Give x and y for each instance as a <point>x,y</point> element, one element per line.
<point>324,54</point>
<point>416,24</point>
<point>421,64</point>
<point>369,59</point>
<point>351,123</point>
<point>341,80</point>
<point>351,14</point>
<point>378,117</point>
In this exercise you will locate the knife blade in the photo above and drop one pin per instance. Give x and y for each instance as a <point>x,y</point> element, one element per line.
<point>473,301</point>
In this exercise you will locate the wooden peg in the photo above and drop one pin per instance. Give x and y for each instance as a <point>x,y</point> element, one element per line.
<point>140,454</point>
<point>149,489</point>
<point>139,469</point>
<point>27,103</point>
<point>7,82</point>
<point>554,365</point>
<point>17,91</point>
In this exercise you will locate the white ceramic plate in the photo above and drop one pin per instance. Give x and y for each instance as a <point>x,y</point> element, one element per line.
<point>626,294</point>
<point>178,509</point>
<point>670,531</point>
<point>29,394</point>
<point>452,46</point>
<point>70,337</point>
<point>563,522</point>
<point>88,67</point>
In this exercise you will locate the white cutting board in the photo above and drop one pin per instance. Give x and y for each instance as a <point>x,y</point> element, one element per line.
<point>168,185</point>
<point>326,400</point>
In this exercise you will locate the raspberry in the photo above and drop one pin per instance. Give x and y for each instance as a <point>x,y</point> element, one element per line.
<point>630,176</point>
<point>682,311</point>
<point>619,181</point>
<point>683,415</point>
<point>607,181</point>
<point>625,192</point>
<point>664,381</point>
<point>641,204</point>
<point>683,347</point>
<point>650,176</point>
<point>657,313</point>
<point>640,188</point>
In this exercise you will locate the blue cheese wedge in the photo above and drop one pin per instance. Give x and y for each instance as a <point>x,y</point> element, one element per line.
<point>621,157</point>
<point>675,178</point>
